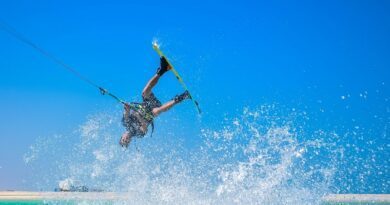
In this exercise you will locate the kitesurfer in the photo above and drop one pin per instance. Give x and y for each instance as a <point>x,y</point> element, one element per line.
<point>137,121</point>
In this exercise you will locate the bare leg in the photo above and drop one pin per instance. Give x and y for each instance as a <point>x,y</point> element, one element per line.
<point>168,105</point>
<point>164,67</point>
<point>149,86</point>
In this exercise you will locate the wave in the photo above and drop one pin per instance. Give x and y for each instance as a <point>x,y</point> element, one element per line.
<point>261,156</point>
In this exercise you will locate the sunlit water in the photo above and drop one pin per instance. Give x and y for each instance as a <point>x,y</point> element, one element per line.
<point>261,156</point>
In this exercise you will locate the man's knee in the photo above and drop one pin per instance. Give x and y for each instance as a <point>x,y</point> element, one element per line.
<point>145,94</point>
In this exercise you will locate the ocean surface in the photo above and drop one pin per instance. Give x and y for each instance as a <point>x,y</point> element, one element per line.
<point>124,202</point>
<point>264,155</point>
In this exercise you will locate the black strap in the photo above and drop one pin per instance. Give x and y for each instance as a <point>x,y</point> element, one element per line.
<point>152,125</point>
<point>138,108</point>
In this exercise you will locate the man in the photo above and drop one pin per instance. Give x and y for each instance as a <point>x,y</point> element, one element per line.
<point>137,121</point>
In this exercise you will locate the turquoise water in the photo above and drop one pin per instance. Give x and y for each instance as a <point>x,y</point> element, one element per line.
<point>113,203</point>
<point>61,202</point>
<point>20,202</point>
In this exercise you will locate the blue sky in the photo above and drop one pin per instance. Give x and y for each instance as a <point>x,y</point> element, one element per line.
<point>329,58</point>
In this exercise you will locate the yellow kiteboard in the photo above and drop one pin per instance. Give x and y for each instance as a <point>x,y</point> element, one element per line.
<point>178,77</point>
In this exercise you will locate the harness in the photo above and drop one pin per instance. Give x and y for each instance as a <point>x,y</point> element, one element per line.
<point>140,108</point>
<point>145,111</point>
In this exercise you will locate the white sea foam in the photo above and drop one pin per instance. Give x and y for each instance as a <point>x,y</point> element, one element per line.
<point>259,157</point>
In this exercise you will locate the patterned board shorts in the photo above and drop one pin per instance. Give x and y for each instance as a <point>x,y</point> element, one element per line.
<point>151,102</point>
<point>132,123</point>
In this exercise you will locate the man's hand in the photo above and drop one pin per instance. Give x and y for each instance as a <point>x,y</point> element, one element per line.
<point>126,106</point>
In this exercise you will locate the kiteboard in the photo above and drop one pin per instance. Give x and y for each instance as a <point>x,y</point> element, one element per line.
<point>156,47</point>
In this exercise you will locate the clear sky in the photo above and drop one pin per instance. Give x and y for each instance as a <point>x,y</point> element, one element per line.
<point>328,58</point>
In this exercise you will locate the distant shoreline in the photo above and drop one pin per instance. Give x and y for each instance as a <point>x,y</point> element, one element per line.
<point>36,196</point>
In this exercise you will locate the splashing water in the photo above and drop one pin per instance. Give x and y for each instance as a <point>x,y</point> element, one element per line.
<point>256,158</point>
<point>155,42</point>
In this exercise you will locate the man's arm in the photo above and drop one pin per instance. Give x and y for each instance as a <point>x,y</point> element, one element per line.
<point>126,113</point>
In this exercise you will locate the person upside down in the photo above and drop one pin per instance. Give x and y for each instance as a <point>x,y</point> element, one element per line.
<point>137,121</point>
